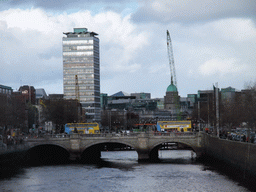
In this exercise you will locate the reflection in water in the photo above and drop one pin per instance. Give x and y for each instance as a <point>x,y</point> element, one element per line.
<point>7,172</point>
<point>120,171</point>
<point>177,156</point>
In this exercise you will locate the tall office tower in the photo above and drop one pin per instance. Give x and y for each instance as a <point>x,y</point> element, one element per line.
<point>81,70</point>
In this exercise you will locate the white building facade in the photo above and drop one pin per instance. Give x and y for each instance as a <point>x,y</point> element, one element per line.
<point>81,70</point>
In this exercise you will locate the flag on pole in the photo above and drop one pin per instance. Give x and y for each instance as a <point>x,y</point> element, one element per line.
<point>41,102</point>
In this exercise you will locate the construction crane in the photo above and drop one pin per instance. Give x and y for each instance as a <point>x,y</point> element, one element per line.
<point>77,89</point>
<point>171,60</point>
<point>79,110</point>
<point>173,77</point>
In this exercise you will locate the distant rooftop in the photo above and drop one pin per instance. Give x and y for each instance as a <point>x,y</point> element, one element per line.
<point>5,87</point>
<point>228,89</point>
<point>40,93</point>
<point>120,93</point>
<point>81,31</point>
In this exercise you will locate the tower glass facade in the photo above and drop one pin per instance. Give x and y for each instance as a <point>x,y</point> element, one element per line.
<point>81,59</point>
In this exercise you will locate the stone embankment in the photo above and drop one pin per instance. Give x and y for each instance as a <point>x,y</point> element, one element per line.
<point>239,154</point>
<point>12,154</point>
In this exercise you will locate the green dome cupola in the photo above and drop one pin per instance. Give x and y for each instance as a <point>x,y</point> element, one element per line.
<point>172,87</point>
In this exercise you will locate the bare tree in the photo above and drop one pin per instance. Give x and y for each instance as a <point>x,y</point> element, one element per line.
<point>61,112</point>
<point>249,110</point>
<point>227,116</point>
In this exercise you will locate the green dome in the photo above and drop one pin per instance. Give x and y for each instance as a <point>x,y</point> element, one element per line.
<point>171,88</point>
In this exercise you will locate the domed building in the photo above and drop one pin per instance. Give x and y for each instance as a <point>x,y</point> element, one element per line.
<point>171,100</point>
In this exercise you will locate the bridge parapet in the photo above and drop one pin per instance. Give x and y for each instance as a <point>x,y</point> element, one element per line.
<point>118,135</point>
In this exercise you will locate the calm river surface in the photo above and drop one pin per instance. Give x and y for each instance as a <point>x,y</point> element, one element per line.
<point>120,171</point>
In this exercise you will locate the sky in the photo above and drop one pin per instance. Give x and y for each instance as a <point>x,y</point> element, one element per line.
<point>214,42</point>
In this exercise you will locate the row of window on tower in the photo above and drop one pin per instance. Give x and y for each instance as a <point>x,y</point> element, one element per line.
<point>77,42</point>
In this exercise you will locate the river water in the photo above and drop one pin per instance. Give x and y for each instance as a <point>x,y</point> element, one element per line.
<point>120,171</point>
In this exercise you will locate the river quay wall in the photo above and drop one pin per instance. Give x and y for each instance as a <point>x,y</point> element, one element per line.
<point>242,155</point>
<point>12,155</point>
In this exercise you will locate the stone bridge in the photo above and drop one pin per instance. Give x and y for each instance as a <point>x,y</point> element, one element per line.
<point>91,145</point>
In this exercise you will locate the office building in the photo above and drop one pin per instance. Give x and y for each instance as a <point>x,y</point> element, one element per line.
<point>29,92</point>
<point>142,95</point>
<point>5,90</point>
<point>81,70</point>
<point>41,94</point>
<point>228,93</point>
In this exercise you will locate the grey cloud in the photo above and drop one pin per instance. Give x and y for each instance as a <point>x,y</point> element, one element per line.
<point>20,64</point>
<point>195,11</point>
<point>55,51</point>
<point>53,4</point>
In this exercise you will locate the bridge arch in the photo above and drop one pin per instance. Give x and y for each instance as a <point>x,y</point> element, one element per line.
<point>173,141</point>
<point>49,143</point>
<point>153,150</point>
<point>47,154</point>
<point>92,152</point>
<point>106,141</point>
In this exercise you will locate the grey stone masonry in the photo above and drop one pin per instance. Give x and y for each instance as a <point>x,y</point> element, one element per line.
<point>143,143</point>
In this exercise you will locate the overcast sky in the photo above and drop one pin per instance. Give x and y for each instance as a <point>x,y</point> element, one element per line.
<point>213,41</point>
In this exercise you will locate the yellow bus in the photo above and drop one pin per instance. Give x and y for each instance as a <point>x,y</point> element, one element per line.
<point>82,128</point>
<point>174,126</point>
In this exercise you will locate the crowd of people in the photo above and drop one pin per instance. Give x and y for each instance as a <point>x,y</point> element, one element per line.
<point>10,140</point>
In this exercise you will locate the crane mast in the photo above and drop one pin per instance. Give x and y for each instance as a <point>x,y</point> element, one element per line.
<point>171,60</point>
<point>77,88</point>
<point>79,111</point>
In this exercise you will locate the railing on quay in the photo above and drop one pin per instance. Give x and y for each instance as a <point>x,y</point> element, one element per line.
<point>12,148</point>
<point>172,134</point>
<point>10,144</point>
<point>46,136</point>
<point>75,135</point>
<point>135,134</point>
<point>111,135</point>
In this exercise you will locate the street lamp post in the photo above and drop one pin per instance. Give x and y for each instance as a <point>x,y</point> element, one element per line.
<point>217,110</point>
<point>125,122</point>
<point>199,115</point>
